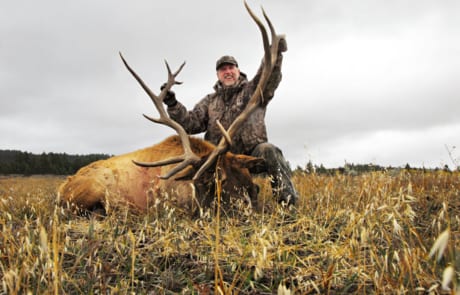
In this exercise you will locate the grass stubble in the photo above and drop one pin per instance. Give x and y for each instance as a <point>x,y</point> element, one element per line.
<point>375,233</point>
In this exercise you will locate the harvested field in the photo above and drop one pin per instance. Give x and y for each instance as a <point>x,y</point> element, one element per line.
<point>370,233</point>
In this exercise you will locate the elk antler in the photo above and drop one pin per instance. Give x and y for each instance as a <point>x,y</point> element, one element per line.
<point>188,158</point>
<point>270,58</point>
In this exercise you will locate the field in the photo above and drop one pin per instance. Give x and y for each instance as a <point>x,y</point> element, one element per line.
<point>365,234</point>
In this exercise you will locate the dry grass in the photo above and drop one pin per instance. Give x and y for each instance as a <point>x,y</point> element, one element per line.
<point>349,234</point>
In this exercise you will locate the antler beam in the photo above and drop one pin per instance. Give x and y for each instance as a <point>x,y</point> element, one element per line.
<point>189,157</point>
<point>270,58</point>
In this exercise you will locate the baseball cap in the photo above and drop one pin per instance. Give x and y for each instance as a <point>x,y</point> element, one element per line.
<point>226,59</point>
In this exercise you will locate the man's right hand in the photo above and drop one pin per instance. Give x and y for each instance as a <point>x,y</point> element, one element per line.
<point>170,98</point>
<point>282,47</point>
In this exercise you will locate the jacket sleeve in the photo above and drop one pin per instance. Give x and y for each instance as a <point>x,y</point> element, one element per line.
<point>273,81</point>
<point>194,121</point>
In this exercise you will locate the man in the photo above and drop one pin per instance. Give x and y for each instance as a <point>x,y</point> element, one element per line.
<point>232,93</point>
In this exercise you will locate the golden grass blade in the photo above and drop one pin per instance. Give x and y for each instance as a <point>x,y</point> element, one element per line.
<point>440,245</point>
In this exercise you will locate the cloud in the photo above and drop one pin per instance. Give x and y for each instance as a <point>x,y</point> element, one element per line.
<point>367,81</point>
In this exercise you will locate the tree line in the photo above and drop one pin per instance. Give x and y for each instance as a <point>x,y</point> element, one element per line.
<point>357,169</point>
<point>26,163</point>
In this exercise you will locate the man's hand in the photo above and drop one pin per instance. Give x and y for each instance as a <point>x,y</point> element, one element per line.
<point>282,46</point>
<point>170,99</point>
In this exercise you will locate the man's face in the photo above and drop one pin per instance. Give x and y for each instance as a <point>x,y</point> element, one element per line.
<point>228,74</point>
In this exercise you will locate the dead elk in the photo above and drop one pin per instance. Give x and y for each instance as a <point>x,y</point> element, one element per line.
<point>118,180</point>
<point>193,163</point>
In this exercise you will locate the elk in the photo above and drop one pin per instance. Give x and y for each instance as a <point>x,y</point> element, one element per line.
<point>144,177</point>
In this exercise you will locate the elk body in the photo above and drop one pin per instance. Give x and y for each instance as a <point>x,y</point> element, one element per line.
<point>118,180</point>
<point>133,178</point>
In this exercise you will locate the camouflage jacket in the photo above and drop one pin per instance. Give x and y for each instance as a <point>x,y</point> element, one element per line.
<point>225,104</point>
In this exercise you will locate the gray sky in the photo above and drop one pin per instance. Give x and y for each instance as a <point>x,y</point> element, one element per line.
<point>363,81</point>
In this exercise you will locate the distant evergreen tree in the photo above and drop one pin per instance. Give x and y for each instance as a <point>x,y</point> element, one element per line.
<point>18,162</point>
<point>321,169</point>
<point>309,168</point>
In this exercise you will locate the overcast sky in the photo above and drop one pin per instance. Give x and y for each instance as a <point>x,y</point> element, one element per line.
<point>363,81</point>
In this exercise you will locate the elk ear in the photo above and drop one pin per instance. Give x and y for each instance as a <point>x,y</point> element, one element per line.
<point>256,165</point>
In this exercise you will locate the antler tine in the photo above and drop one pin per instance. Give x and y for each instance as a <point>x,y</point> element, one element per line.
<point>184,162</point>
<point>224,132</point>
<point>270,58</point>
<point>275,38</point>
<point>265,40</point>
<point>157,164</point>
<point>188,158</point>
<point>174,75</point>
<point>139,80</point>
<point>180,167</point>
